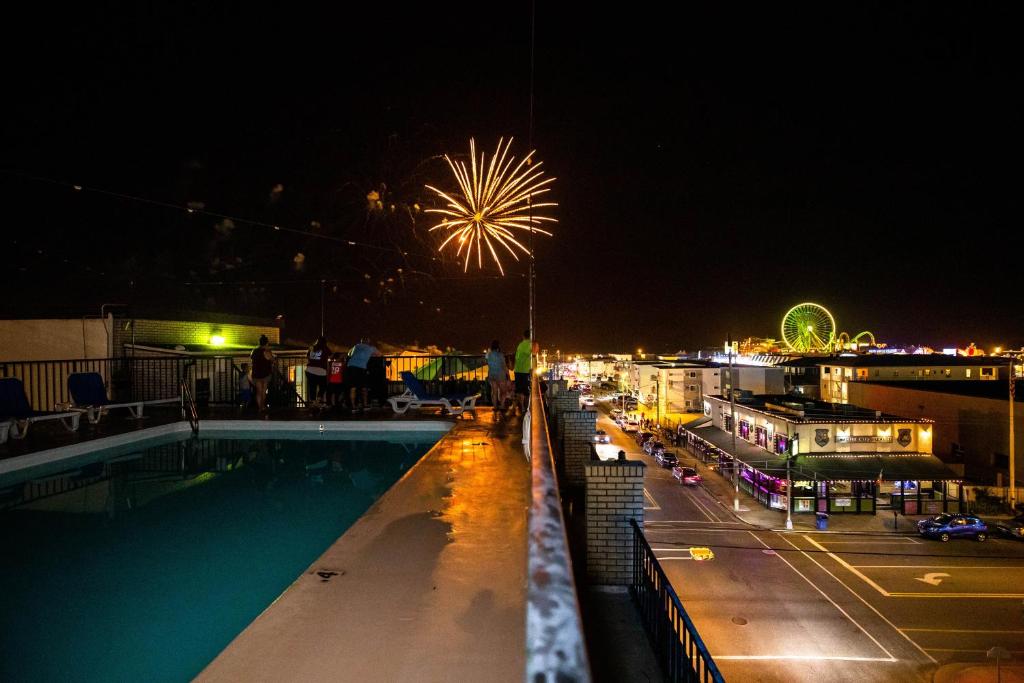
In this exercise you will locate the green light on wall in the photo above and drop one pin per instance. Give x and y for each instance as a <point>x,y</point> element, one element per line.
<point>216,340</point>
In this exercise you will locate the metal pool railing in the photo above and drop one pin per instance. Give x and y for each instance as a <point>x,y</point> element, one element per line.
<point>679,648</point>
<point>214,379</point>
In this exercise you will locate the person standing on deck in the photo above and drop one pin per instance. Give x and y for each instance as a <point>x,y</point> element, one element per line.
<point>523,369</point>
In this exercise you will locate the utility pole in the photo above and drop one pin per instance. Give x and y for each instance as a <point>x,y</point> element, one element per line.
<point>1013,455</point>
<point>789,494</point>
<point>732,411</point>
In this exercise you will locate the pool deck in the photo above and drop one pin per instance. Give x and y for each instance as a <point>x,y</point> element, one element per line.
<point>429,585</point>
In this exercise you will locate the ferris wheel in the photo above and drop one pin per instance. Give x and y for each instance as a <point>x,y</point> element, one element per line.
<point>809,327</point>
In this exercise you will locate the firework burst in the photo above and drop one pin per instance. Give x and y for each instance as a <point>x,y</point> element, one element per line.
<point>495,201</point>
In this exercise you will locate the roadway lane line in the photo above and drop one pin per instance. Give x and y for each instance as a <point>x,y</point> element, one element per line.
<point>928,566</point>
<point>866,603</point>
<point>841,610</point>
<point>993,596</point>
<point>847,565</point>
<point>806,658</point>
<point>955,630</point>
<point>946,649</point>
<point>702,509</point>
<point>705,508</point>
<point>654,504</point>
<point>684,521</point>
<point>861,542</point>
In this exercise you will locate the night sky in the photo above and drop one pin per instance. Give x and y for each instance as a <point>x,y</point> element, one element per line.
<point>714,166</point>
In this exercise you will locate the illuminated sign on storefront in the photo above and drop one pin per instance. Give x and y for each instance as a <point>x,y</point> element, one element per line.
<point>846,438</point>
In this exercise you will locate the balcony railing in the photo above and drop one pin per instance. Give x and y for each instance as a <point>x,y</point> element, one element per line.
<point>679,648</point>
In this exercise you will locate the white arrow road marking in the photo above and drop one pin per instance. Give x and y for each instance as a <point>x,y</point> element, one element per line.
<point>932,579</point>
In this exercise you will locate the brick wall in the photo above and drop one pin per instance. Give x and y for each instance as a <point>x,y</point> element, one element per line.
<point>615,495</point>
<point>577,442</point>
<point>566,401</point>
<point>190,332</point>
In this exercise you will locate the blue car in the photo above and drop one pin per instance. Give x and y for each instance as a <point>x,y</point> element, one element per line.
<point>945,527</point>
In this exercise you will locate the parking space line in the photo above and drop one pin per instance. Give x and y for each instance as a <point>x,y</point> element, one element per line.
<point>833,602</point>
<point>654,504</point>
<point>866,603</point>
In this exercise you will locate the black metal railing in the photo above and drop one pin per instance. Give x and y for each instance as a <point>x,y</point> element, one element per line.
<point>188,407</point>
<point>214,379</point>
<point>679,648</point>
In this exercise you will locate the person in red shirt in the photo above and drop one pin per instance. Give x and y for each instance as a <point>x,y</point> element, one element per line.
<point>336,380</point>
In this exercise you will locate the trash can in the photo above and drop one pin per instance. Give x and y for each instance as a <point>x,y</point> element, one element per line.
<point>821,521</point>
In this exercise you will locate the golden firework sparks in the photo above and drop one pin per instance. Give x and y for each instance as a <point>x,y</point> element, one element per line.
<point>494,201</point>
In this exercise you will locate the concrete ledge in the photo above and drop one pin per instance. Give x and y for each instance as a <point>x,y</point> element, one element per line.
<point>429,585</point>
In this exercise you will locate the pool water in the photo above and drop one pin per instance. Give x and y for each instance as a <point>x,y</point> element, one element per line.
<point>146,566</point>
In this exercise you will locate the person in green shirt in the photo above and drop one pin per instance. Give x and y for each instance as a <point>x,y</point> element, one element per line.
<point>524,366</point>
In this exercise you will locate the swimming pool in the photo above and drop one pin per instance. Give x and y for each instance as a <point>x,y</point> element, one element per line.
<point>145,562</point>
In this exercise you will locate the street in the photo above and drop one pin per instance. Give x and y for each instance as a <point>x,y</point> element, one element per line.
<point>835,606</point>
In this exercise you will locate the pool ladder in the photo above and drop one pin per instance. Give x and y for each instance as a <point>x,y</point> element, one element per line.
<point>188,406</point>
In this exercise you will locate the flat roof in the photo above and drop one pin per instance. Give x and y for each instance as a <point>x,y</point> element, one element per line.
<point>912,360</point>
<point>973,388</point>
<point>789,408</point>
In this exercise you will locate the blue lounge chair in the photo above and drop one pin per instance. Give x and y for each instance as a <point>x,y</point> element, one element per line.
<point>416,396</point>
<point>90,396</point>
<point>14,404</point>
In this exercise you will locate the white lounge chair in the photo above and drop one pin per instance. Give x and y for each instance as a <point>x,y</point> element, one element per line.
<point>14,404</point>
<point>416,396</point>
<point>90,396</point>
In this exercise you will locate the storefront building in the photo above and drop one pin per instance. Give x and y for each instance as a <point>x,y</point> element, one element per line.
<point>842,458</point>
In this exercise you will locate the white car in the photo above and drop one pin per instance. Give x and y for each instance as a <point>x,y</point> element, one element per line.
<point>631,426</point>
<point>588,401</point>
<point>601,436</point>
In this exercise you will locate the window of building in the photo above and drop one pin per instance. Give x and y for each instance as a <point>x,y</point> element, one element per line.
<point>947,372</point>
<point>987,372</point>
<point>968,371</point>
<point>927,372</point>
<point>693,374</point>
<point>828,371</point>
<point>692,387</point>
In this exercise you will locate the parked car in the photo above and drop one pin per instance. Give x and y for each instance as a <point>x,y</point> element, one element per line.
<point>631,426</point>
<point>601,436</point>
<point>588,401</point>
<point>666,458</point>
<point>945,527</point>
<point>653,446</point>
<point>643,437</point>
<point>686,475</point>
<point>1011,528</point>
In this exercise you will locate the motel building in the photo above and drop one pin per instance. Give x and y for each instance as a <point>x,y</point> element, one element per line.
<point>842,458</point>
